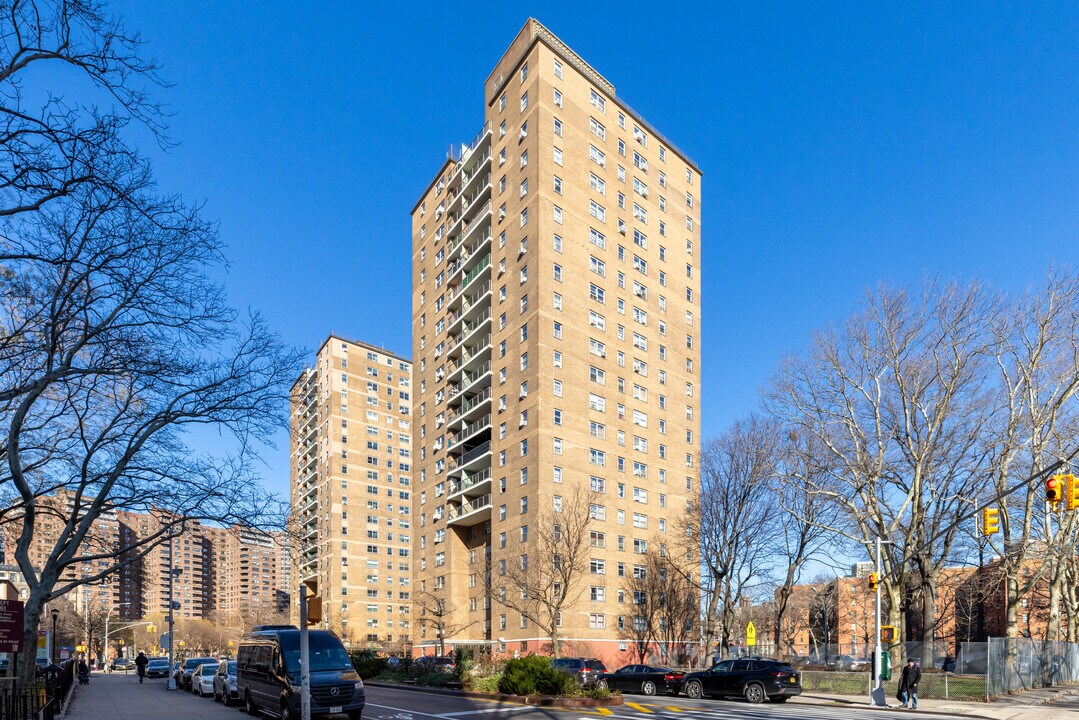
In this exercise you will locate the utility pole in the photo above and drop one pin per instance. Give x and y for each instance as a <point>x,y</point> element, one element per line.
<point>305,656</point>
<point>172,609</point>
<point>876,696</point>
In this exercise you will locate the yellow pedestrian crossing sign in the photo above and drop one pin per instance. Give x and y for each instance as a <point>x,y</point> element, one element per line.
<point>751,634</point>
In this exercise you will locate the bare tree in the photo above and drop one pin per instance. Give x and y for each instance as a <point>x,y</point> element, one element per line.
<point>54,146</point>
<point>808,517</point>
<point>1037,357</point>
<point>546,578</point>
<point>115,341</point>
<point>679,613</point>
<point>644,589</point>
<point>439,613</point>
<point>899,401</point>
<point>734,521</point>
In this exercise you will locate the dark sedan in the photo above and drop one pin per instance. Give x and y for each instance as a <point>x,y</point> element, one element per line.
<point>157,667</point>
<point>647,679</point>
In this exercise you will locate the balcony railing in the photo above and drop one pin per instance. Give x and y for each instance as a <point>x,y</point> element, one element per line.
<point>476,349</point>
<point>475,453</point>
<point>475,272</point>
<point>471,429</point>
<point>472,506</point>
<point>472,480</point>
<point>476,399</point>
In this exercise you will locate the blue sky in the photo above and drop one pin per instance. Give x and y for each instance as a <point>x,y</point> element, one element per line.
<point>841,143</point>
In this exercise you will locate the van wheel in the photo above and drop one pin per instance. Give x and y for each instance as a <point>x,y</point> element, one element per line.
<point>754,693</point>
<point>249,704</point>
<point>648,687</point>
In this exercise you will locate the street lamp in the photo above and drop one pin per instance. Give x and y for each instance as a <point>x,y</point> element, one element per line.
<point>108,616</point>
<point>52,647</point>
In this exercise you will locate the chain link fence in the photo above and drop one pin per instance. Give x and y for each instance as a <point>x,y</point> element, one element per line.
<point>1023,663</point>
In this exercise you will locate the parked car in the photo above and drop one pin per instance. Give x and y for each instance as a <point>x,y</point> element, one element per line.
<point>189,667</point>
<point>157,667</point>
<point>647,679</point>
<point>202,678</point>
<point>121,664</point>
<point>268,673</point>
<point>434,663</point>
<point>755,680</point>
<point>225,688</point>
<point>847,662</point>
<point>586,670</point>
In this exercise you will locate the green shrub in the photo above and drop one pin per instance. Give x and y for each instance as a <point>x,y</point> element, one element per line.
<point>487,684</point>
<point>463,663</point>
<point>534,674</point>
<point>598,692</point>
<point>436,679</point>
<point>368,664</point>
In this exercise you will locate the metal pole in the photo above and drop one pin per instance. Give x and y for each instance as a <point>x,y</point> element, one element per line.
<point>105,646</point>
<point>877,683</point>
<point>172,658</point>
<point>52,646</point>
<point>305,655</point>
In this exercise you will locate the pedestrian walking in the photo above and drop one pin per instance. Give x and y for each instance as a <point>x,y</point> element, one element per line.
<point>140,665</point>
<point>908,684</point>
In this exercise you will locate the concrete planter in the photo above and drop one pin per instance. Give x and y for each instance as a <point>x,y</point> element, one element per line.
<point>537,700</point>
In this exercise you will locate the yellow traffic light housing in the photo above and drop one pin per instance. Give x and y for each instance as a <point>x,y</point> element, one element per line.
<point>990,521</point>
<point>1054,490</point>
<point>874,582</point>
<point>887,633</point>
<point>1071,493</point>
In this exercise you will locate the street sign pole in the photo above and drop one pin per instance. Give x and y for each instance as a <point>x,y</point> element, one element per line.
<point>876,695</point>
<point>305,656</point>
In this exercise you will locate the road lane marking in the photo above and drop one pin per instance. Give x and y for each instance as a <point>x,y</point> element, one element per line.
<point>638,708</point>
<point>403,710</point>
<point>604,711</point>
<point>511,708</point>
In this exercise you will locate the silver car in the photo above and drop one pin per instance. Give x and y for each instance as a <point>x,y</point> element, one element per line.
<point>225,689</point>
<point>202,679</point>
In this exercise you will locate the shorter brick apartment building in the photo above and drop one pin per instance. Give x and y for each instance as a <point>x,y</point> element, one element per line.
<point>839,614</point>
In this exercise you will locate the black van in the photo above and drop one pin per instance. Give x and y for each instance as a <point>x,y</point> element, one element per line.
<point>268,673</point>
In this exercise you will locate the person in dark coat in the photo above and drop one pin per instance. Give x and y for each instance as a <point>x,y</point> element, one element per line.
<point>908,684</point>
<point>140,665</point>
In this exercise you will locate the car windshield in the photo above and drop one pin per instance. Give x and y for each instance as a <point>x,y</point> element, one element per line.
<point>194,663</point>
<point>158,663</point>
<point>232,667</point>
<point>209,669</point>
<point>326,651</point>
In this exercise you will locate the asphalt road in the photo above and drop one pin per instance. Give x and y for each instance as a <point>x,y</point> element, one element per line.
<point>394,704</point>
<point>120,697</point>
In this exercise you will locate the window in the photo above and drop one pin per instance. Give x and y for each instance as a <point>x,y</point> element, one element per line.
<point>596,320</point>
<point>557,156</point>
<point>557,184</point>
<point>558,388</point>
<point>558,243</point>
<point>558,129</point>
<point>502,102</point>
<point>597,238</point>
<point>558,331</point>
<point>597,183</point>
<point>596,155</point>
<point>597,457</point>
<point>558,215</point>
<point>640,265</point>
<point>597,593</point>
<point>558,69</point>
<point>524,101</point>
<point>558,272</point>
<point>557,98</point>
<point>597,348</point>
<point>597,567</point>
<point>596,210</point>
<point>598,102</point>
<point>597,484</point>
<point>557,503</point>
<point>597,128</point>
<point>597,402</point>
<point>597,266</point>
<point>596,375</point>
<point>596,293</point>
<point>524,72</point>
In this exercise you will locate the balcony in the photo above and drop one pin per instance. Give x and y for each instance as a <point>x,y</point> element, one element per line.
<point>472,407</point>
<point>472,484</point>
<point>470,307</point>
<point>470,430</point>
<point>470,513</point>
<point>473,460</point>
<point>469,379</point>
<point>468,329</point>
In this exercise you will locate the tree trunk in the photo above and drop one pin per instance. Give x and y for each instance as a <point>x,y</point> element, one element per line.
<point>929,621</point>
<point>35,605</point>
<point>1011,605</point>
<point>555,642</point>
<point>777,628</point>
<point>894,617</point>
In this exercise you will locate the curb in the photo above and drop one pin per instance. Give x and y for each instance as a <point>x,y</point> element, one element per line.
<point>533,700</point>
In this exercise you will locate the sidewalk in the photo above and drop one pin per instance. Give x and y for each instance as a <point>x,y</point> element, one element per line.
<point>121,697</point>
<point>1057,703</point>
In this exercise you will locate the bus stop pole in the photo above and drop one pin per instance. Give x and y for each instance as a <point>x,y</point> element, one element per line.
<point>305,656</point>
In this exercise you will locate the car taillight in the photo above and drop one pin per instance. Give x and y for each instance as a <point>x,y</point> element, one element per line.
<point>673,676</point>
<point>776,673</point>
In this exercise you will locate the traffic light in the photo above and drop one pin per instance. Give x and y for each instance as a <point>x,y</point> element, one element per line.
<point>1071,492</point>
<point>990,521</point>
<point>1054,490</point>
<point>887,634</point>
<point>874,582</point>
